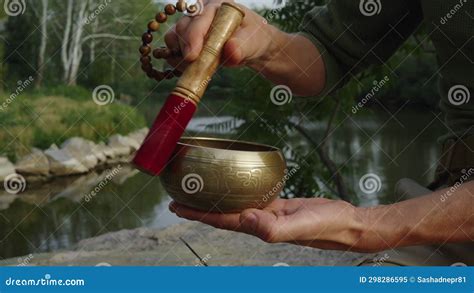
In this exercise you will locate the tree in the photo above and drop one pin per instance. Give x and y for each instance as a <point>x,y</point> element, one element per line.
<point>76,34</point>
<point>43,43</point>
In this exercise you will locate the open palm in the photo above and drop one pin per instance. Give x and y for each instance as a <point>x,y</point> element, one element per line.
<point>316,222</point>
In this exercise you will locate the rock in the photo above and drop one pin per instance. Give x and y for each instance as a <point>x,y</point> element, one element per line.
<point>98,153</point>
<point>140,239</point>
<point>122,145</point>
<point>35,163</point>
<point>139,135</point>
<point>106,150</point>
<point>82,150</point>
<point>61,162</point>
<point>6,200</point>
<point>6,168</point>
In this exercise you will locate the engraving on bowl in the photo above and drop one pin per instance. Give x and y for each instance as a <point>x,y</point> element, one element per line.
<point>224,181</point>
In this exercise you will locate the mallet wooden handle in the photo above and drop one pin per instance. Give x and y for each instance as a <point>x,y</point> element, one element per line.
<point>195,79</point>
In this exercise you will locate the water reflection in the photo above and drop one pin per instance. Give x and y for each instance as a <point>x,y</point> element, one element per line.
<point>56,216</point>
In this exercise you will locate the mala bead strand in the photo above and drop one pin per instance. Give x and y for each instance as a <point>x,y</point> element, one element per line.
<point>163,52</point>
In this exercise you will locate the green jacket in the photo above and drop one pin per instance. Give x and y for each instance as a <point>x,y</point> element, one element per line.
<point>353,34</point>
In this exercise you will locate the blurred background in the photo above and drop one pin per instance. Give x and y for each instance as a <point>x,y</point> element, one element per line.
<point>56,55</point>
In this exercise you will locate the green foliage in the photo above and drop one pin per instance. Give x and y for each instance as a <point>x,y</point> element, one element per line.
<point>34,121</point>
<point>72,92</point>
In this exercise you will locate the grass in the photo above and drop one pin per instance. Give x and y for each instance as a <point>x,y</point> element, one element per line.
<point>41,119</point>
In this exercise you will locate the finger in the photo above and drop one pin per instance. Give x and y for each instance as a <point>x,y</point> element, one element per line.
<point>193,37</point>
<point>181,29</point>
<point>171,39</point>
<point>172,42</point>
<point>233,52</point>
<point>259,223</point>
<point>220,221</point>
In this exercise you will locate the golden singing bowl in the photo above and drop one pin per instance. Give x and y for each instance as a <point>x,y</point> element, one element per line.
<point>217,175</point>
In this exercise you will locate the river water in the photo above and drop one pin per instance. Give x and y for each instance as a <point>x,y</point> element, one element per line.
<point>56,215</point>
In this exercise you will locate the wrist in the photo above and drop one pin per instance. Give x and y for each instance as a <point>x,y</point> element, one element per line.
<point>382,228</point>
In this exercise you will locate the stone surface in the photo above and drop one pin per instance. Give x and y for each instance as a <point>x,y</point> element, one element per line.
<point>139,135</point>
<point>82,150</point>
<point>6,168</point>
<point>35,163</point>
<point>106,150</point>
<point>145,246</point>
<point>61,162</point>
<point>122,145</point>
<point>6,200</point>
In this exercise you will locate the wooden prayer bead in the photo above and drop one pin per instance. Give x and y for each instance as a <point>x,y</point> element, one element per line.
<point>151,73</point>
<point>161,17</point>
<point>147,38</point>
<point>147,67</point>
<point>158,76</point>
<point>170,9</point>
<point>162,53</point>
<point>153,25</point>
<point>181,6</point>
<point>145,59</point>
<point>145,50</point>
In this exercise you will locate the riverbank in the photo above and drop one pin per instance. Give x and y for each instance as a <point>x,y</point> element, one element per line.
<point>153,247</point>
<point>74,157</point>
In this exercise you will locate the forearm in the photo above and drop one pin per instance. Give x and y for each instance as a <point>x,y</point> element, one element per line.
<point>443,216</point>
<point>292,60</point>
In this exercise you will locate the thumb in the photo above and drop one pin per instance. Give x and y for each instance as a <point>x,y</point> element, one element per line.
<point>233,54</point>
<point>259,223</point>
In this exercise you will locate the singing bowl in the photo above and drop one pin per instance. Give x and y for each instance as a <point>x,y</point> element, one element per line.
<point>223,176</point>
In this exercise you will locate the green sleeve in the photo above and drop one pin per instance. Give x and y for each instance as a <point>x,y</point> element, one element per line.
<point>350,41</point>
